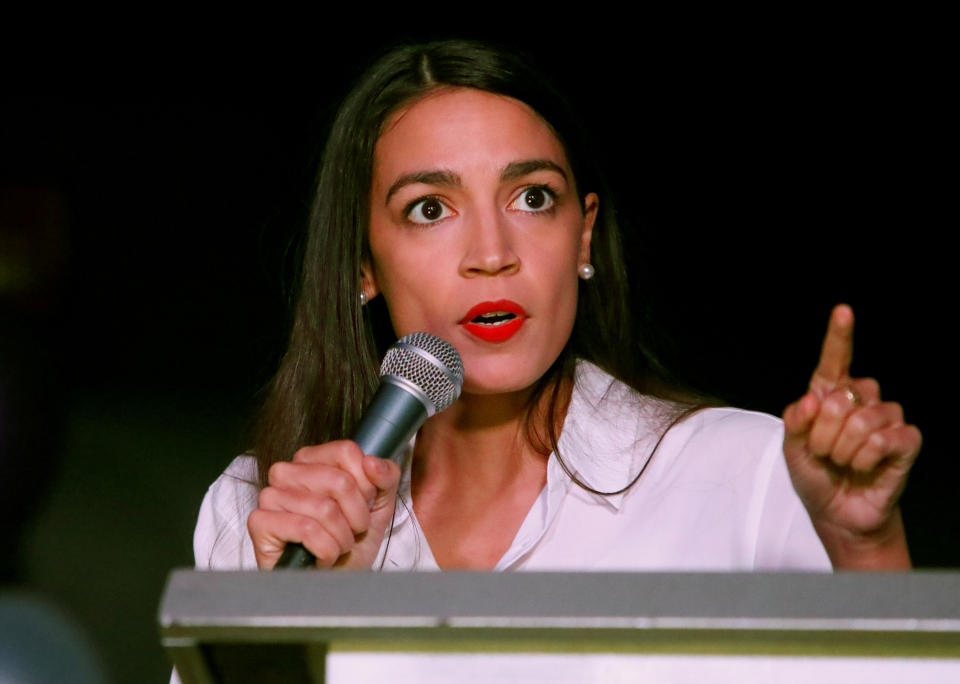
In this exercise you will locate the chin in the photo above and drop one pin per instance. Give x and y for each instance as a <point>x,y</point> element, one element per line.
<point>500,376</point>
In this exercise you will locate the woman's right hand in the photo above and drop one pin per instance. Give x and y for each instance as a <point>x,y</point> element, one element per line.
<point>333,499</point>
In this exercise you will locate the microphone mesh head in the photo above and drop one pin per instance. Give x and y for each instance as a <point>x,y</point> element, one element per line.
<point>429,363</point>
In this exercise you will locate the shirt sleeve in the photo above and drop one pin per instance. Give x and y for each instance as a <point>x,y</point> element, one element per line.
<point>786,539</point>
<point>221,540</point>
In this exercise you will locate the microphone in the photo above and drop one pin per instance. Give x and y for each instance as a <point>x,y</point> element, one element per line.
<point>420,376</point>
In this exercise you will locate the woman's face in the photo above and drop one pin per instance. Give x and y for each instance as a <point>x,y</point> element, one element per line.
<point>476,233</point>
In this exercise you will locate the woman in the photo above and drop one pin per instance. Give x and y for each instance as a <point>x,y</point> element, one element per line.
<point>456,197</point>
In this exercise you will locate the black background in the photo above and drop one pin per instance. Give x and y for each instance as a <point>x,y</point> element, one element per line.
<point>760,180</point>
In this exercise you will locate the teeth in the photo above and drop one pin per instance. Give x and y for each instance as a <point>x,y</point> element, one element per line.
<point>494,317</point>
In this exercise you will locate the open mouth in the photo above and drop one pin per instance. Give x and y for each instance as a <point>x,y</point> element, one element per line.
<point>493,318</point>
<point>494,321</point>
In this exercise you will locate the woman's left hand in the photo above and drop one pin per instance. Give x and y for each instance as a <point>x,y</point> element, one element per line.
<point>848,454</point>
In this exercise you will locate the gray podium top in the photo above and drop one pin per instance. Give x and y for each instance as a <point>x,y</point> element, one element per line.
<point>915,601</point>
<point>243,626</point>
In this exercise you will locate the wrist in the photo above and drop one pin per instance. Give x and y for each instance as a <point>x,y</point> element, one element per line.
<point>882,549</point>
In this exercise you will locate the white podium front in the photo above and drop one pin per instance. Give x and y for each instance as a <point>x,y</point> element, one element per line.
<point>308,626</point>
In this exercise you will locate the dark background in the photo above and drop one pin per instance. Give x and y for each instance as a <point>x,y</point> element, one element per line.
<point>149,223</point>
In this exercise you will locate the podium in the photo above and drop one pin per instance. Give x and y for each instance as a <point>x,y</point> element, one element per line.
<point>309,626</point>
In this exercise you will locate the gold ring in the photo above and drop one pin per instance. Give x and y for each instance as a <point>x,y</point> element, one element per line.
<point>852,396</point>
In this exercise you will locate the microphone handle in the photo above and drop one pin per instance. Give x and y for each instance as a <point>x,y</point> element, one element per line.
<point>387,426</point>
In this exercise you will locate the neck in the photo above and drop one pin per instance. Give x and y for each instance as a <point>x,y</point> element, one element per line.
<point>477,472</point>
<point>485,441</point>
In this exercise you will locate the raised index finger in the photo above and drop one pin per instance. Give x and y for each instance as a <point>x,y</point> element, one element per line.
<point>837,352</point>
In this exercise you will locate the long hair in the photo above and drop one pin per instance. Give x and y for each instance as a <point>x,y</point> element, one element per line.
<point>330,369</point>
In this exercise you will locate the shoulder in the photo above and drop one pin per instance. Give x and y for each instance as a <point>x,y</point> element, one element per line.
<point>729,428</point>
<point>721,468</point>
<point>612,430</point>
<point>603,398</point>
<point>600,400</point>
<point>236,485</point>
<point>723,445</point>
<point>220,540</point>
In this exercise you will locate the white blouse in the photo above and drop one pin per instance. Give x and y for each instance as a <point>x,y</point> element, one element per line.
<point>716,495</point>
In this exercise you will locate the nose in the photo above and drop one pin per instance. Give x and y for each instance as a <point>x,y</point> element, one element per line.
<point>489,249</point>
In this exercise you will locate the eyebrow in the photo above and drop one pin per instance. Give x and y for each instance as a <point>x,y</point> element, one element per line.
<point>519,169</point>
<point>511,171</point>
<point>437,177</point>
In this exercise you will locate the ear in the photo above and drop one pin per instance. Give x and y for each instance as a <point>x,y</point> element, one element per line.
<point>591,204</point>
<point>368,278</point>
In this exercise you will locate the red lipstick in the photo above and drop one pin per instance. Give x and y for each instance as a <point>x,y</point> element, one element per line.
<point>494,321</point>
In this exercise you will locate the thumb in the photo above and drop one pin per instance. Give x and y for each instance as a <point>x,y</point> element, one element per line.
<point>385,476</point>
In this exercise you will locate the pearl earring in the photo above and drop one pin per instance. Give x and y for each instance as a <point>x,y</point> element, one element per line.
<point>363,298</point>
<point>586,271</point>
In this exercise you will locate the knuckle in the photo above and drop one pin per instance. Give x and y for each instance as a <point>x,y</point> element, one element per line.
<point>324,549</point>
<point>310,530</point>
<point>858,422</point>
<point>277,472</point>
<point>895,411</point>
<point>915,434</point>
<point>341,482</point>
<point>254,521</point>
<point>841,458</point>
<point>351,452</point>
<point>314,453</point>
<point>870,386</point>
<point>303,454</point>
<point>325,556</point>
<point>330,552</point>
<point>266,497</point>
<point>877,442</point>
<point>326,509</point>
<point>835,405</point>
<point>323,544</point>
<point>363,523</point>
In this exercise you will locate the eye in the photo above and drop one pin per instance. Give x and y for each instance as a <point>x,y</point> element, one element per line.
<point>534,199</point>
<point>426,210</point>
